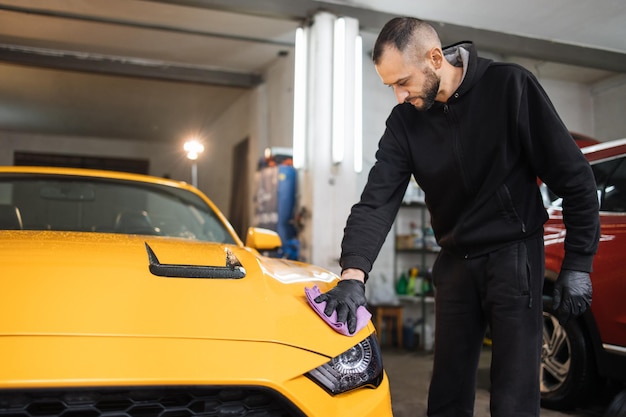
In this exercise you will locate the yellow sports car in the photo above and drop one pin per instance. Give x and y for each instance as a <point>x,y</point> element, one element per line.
<point>129,295</point>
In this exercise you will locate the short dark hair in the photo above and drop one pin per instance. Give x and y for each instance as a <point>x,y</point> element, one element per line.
<point>404,32</point>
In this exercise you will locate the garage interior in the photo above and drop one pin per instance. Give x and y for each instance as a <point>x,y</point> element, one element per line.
<point>124,83</point>
<point>128,82</point>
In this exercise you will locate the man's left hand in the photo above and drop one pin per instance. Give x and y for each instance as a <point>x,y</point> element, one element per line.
<point>572,294</point>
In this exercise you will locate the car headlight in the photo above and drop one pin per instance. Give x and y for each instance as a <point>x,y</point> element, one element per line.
<point>359,366</point>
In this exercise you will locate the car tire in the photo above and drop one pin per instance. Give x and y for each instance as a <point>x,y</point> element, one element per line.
<point>617,407</point>
<point>567,370</point>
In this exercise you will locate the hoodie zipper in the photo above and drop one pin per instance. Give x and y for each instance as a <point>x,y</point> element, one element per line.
<point>456,146</point>
<point>509,201</point>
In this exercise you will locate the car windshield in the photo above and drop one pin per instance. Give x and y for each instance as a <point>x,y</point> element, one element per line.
<point>610,176</point>
<point>86,204</point>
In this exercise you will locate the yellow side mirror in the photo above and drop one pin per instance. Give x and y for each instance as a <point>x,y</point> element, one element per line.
<point>262,239</point>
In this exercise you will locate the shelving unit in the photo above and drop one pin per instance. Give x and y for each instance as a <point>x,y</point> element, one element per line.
<point>425,305</point>
<point>415,247</point>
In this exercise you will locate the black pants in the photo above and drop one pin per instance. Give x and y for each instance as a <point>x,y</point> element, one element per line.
<point>502,290</point>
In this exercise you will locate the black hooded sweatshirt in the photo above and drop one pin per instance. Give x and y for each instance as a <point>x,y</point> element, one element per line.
<point>477,158</point>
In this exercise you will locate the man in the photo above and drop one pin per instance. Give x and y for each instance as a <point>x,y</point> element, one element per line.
<point>476,134</point>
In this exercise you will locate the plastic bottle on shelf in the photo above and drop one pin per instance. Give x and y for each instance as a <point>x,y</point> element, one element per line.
<point>430,242</point>
<point>410,288</point>
<point>425,288</point>
<point>415,282</point>
<point>417,236</point>
<point>402,284</point>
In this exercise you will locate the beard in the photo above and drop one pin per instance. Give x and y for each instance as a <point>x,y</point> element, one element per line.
<point>430,91</point>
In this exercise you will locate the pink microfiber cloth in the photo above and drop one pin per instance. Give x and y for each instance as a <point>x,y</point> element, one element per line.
<point>362,315</point>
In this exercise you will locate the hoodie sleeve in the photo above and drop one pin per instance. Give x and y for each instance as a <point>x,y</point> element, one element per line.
<point>559,163</point>
<point>371,218</point>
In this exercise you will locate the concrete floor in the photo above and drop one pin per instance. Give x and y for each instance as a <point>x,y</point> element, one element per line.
<point>409,375</point>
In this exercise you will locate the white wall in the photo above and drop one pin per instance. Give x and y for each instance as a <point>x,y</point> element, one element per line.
<point>278,103</point>
<point>264,116</point>
<point>573,102</point>
<point>214,165</point>
<point>609,116</point>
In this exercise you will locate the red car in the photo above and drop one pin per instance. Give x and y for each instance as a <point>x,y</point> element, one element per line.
<point>579,356</point>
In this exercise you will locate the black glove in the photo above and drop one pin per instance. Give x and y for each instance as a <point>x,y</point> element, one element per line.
<point>346,298</point>
<point>572,294</point>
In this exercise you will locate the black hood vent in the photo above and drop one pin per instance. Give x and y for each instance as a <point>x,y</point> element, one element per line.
<point>232,270</point>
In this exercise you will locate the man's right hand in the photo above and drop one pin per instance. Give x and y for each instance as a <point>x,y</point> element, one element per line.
<point>345,298</point>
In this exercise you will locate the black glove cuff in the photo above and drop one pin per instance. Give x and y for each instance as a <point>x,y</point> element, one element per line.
<point>365,273</point>
<point>344,283</point>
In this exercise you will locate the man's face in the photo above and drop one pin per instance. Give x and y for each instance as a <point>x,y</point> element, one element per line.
<point>410,82</point>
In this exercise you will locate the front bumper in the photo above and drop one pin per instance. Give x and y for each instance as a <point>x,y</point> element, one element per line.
<point>91,364</point>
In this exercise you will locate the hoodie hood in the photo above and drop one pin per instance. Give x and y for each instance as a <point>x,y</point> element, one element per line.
<point>463,54</point>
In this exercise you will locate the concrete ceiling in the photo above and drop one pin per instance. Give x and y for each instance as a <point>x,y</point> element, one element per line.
<point>159,69</point>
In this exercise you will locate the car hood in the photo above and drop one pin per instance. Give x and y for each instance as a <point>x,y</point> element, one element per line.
<point>88,284</point>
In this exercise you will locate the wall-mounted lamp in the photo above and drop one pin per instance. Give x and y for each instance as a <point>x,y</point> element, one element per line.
<point>193,148</point>
<point>339,91</point>
<point>300,98</point>
<point>358,104</point>
<point>347,92</point>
